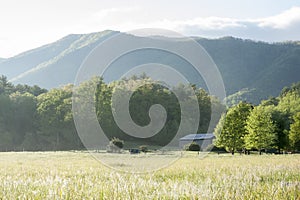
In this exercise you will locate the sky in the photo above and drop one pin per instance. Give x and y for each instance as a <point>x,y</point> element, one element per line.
<point>25,25</point>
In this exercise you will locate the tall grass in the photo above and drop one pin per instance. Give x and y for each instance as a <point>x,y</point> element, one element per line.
<point>67,175</point>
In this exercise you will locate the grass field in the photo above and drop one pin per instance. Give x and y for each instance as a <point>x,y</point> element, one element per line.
<point>77,175</point>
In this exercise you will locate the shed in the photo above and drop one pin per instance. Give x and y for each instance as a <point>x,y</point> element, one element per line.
<point>202,139</point>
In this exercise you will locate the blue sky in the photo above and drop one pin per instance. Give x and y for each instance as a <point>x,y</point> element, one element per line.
<point>31,23</point>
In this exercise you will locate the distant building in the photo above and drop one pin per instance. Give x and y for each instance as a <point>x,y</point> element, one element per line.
<point>202,139</point>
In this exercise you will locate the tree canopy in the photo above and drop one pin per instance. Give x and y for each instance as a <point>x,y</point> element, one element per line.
<point>273,124</point>
<point>231,129</point>
<point>32,118</point>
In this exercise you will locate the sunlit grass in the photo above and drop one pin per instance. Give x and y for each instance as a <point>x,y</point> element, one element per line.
<point>70,175</point>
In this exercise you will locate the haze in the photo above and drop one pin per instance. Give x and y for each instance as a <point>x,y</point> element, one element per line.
<point>32,23</point>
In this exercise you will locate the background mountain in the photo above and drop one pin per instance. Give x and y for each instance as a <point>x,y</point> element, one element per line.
<point>254,70</point>
<point>251,70</point>
<point>54,64</point>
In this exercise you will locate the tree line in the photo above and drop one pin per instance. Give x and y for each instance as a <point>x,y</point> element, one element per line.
<point>272,125</point>
<point>35,119</point>
<point>32,118</point>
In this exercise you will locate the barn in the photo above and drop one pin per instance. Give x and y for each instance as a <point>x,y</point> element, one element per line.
<point>203,139</point>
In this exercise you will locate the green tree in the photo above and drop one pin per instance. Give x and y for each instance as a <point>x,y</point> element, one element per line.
<point>290,102</point>
<point>6,138</point>
<point>5,112</point>
<point>23,117</point>
<point>6,141</point>
<point>55,118</point>
<point>5,86</point>
<point>205,104</point>
<point>216,113</point>
<point>34,90</point>
<point>230,131</point>
<point>289,105</point>
<point>294,135</point>
<point>261,129</point>
<point>281,121</point>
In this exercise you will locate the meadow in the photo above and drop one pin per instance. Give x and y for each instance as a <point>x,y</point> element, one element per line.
<point>77,175</point>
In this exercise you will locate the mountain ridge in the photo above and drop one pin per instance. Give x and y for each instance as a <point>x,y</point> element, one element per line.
<point>260,68</point>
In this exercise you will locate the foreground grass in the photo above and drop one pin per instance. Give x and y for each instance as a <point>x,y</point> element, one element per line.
<point>68,175</point>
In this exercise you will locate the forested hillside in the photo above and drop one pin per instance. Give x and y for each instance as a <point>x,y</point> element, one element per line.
<point>32,118</point>
<point>251,70</point>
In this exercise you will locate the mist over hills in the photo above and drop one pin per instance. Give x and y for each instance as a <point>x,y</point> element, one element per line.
<point>251,70</point>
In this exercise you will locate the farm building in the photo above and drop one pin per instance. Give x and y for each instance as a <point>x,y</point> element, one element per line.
<point>203,139</point>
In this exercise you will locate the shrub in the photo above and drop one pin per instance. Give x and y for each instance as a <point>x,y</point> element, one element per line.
<point>143,148</point>
<point>214,148</point>
<point>115,145</point>
<point>192,147</point>
<point>117,142</point>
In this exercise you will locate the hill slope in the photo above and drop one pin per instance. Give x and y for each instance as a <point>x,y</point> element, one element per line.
<point>258,69</point>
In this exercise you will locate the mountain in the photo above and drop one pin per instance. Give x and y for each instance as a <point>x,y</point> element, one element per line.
<point>254,70</point>
<point>251,70</point>
<point>54,64</point>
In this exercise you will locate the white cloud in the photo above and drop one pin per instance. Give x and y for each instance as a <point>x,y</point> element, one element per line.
<point>281,21</point>
<point>216,23</point>
<point>284,20</point>
<point>36,31</point>
<point>284,26</point>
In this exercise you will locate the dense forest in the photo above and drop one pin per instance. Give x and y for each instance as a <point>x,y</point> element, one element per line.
<point>35,119</point>
<point>273,125</point>
<point>32,118</point>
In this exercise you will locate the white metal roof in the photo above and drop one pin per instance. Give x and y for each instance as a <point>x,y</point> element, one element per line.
<point>198,136</point>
